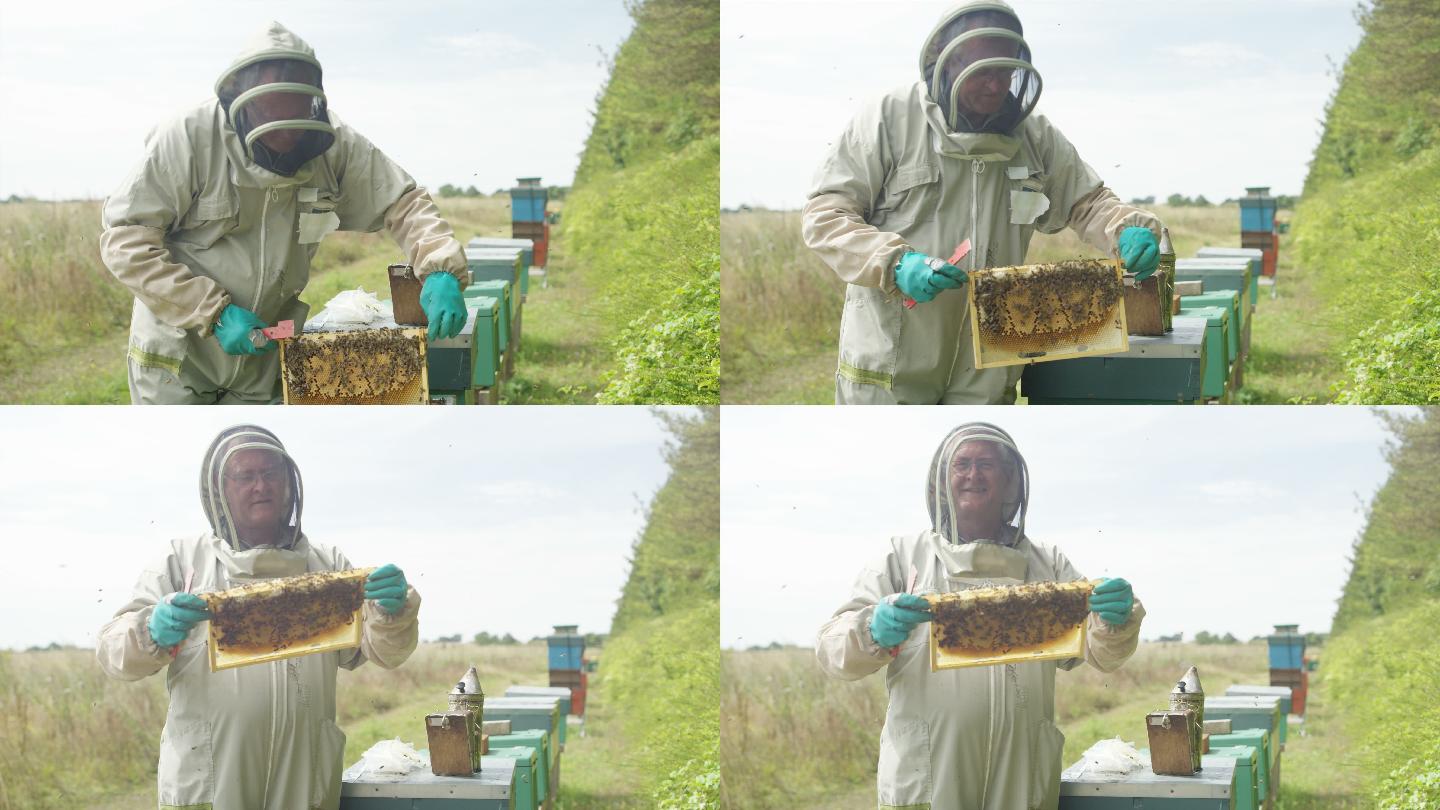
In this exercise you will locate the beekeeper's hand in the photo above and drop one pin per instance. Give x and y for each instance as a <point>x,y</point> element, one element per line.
<point>387,586</point>
<point>895,616</point>
<point>233,331</point>
<point>172,618</point>
<point>444,305</point>
<point>1139,251</point>
<point>922,278</point>
<point>1112,600</point>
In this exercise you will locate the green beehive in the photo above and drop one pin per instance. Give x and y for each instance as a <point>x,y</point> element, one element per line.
<point>527,255</point>
<point>500,291</point>
<point>1258,738</point>
<point>528,713</point>
<point>1221,273</point>
<point>1248,793</point>
<point>1217,348</point>
<point>1228,300</point>
<point>527,777</point>
<point>488,264</point>
<point>471,358</point>
<point>562,692</point>
<point>1249,712</point>
<point>537,739</point>
<point>1155,370</point>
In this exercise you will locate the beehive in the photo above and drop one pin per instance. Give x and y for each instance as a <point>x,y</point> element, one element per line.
<point>1034,622</point>
<point>282,618</point>
<point>362,367</point>
<point>1041,312</point>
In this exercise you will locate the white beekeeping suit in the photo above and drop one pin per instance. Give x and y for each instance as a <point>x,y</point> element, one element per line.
<point>978,738</point>
<point>213,216</point>
<point>262,736</point>
<point>916,171</point>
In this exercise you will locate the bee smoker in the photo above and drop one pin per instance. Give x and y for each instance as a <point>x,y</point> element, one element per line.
<point>1165,274</point>
<point>454,735</point>
<point>1189,695</point>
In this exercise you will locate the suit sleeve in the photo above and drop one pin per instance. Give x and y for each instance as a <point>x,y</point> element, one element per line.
<point>844,647</point>
<point>1107,646</point>
<point>846,186</point>
<point>387,640</point>
<point>155,196</point>
<point>376,193</point>
<point>1079,199</point>
<point>124,648</point>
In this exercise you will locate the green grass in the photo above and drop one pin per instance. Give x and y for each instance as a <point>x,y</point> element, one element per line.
<point>75,738</point>
<point>792,736</point>
<point>782,306</point>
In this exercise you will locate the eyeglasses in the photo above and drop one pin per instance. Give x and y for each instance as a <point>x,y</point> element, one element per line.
<point>984,465</point>
<point>248,478</point>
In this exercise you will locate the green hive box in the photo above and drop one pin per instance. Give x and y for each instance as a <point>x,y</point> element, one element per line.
<point>1158,370</point>
<point>470,359</point>
<point>1232,323</point>
<point>527,255</point>
<point>1248,793</point>
<point>500,292</point>
<point>1254,256</point>
<point>1221,274</point>
<point>1230,299</point>
<point>1213,788</point>
<point>1260,739</point>
<point>563,693</point>
<point>528,713</point>
<point>489,264</point>
<point>1217,349</point>
<point>527,784</point>
<point>537,739</point>
<point>1285,693</point>
<point>1249,712</point>
<point>493,788</point>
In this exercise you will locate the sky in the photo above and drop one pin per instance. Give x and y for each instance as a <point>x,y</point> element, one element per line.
<point>507,521</point>
<point>455,92</point>
<point>1203,97</point>
<point>1222,519</point>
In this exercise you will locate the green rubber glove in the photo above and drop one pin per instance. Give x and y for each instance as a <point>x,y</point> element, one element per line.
<point>387,586</point>
<point>443,304</point>
<point>173,617</point>
<point>921,277</point>
<point>234,328</point>
<point>895,616</point>
<point>1112,599</point>
<point>1139,251</point>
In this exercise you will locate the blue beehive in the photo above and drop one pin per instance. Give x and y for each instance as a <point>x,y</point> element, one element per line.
<point>1287,647</point>
<point>566,647</point>
<point>527,201</point>
<point>1257,210</point>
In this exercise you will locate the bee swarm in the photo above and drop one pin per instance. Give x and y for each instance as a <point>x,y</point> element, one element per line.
<point>998,620</point>
<point>262,616</point>
<point>369,363</point>
<point>1040,305</point>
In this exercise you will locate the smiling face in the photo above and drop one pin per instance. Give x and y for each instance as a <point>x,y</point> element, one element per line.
<point>257,490</point>
<point>980,475</point>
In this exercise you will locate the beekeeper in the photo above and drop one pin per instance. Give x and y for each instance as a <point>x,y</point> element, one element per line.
<point>214,231</point>
<point>957,155</point>
<point>261,736</point>
<point>979,737</point>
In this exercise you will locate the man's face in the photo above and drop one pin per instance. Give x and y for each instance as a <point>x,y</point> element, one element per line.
<point>257,489</point>
<point>984,91</point>
<point>979,477</point>
<point>281,107</point>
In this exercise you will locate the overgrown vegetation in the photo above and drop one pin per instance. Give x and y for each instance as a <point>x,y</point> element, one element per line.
<point>1384,659</point>
<point>1366,225</point>
<point>643,216</point>
<point>661,677</point>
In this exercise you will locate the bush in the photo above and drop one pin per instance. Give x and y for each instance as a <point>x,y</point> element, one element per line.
<point>672,356</point>
<point>693,786</point>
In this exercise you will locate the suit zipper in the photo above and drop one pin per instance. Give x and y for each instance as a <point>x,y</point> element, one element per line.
<point>270,194</point>
<point>977,167</point>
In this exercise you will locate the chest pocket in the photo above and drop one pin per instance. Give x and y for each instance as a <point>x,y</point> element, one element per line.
<point>1028,201</point>
<point>911,195</point>
<point>317,218</point>
<point>212,215</point>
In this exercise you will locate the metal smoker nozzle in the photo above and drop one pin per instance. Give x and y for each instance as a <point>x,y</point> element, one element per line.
<point>469,684</point>
<point>1190,683</point>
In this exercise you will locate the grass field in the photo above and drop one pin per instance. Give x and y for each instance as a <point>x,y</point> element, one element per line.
<point>781,310</point>
<point>792,737</point>
<point>74,738</point>
<point>64,319</point>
